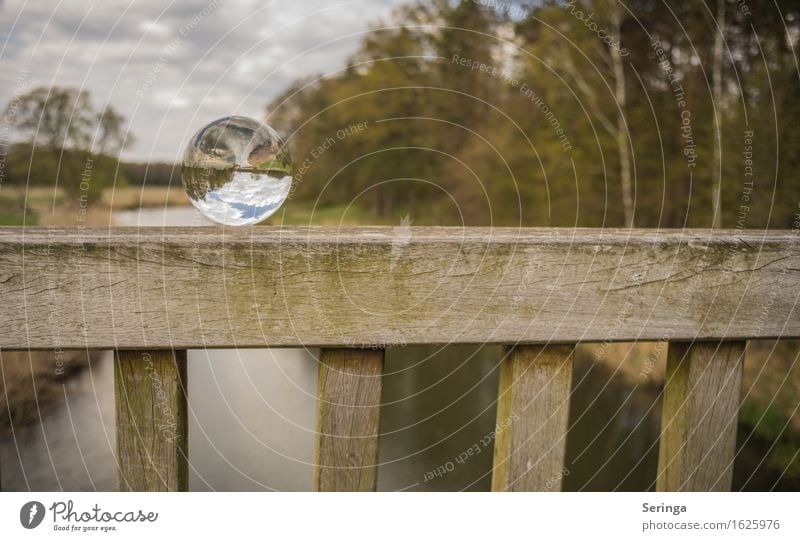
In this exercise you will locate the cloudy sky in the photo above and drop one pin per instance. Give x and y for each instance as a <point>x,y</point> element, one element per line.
<point>171,67</point>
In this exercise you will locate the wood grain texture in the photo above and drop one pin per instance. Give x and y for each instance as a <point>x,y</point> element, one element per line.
<point>348,406</point>
<point>699,418</point>
<point>532,418</point>
<point>151,413</point>
<point>181,288</point>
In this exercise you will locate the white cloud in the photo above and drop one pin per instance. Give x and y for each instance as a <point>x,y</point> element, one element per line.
<point>172,67</point>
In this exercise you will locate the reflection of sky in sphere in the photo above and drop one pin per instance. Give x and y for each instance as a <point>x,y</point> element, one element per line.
<point>237,171</point>
<point>247,198</point>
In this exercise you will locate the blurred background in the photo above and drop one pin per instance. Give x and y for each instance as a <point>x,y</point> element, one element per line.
<point>600,113</point>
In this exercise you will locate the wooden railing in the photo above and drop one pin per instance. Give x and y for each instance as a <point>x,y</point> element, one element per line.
<point>149,294</point>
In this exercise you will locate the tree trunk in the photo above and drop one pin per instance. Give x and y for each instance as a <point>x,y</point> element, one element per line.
<point>717,90</point>
<point>622,129</point>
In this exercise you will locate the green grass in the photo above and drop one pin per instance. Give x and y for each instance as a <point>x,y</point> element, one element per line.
<point>14,218</point>
<point>13,212</point>
<point>771,426</point>
<point>13,206</point>
<point>295,212</point>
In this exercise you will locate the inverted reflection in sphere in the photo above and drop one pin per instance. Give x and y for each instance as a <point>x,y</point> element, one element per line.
<point>237,171</point>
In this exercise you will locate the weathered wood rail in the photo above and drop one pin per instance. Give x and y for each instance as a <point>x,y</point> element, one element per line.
<point>150,294</point>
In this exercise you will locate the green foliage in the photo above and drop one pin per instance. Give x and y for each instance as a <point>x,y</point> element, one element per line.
<point>151,174</point>
<point>14,212</point>
<point>75,173</point>
<point>518,115</point>
<point>773,428</point>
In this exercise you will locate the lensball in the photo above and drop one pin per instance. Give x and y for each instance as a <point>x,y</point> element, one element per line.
<point>237,171</point>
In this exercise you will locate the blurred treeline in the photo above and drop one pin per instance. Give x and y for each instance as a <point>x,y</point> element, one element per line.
<point>66,142</point>
<point>562,114</point>
<point>68,146</point>
<point>37,165</point>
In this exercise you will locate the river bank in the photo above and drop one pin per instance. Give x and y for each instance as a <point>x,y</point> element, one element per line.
<point>32,383</point>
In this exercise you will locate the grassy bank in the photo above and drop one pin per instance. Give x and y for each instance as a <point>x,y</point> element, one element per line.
<point>32,383</point>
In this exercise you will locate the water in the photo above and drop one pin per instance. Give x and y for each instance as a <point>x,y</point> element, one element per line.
<point>162,217</point>
<point>251,427</point>
<point>237,171</point>
<point>252,419</point>
<point>73,447</point>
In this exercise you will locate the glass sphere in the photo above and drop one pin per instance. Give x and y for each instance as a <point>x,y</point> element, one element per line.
<point>237,171</point>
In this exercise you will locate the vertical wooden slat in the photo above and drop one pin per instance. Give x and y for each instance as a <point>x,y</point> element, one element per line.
<point>699,416</point>
<point>532,418</point>
<point>348,407</point>
<point>151,413</point>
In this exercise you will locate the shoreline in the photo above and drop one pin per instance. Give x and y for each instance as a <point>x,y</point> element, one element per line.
<point>32,381</point>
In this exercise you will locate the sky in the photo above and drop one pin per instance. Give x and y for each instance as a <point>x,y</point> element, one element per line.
<point>170,67</point>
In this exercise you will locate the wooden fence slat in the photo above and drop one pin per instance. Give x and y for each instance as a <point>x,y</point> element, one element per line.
<point>532,418</point>
<point>348,408</point>
<point>151,414</point>
<point>699,416</point>
<point>277,283</point>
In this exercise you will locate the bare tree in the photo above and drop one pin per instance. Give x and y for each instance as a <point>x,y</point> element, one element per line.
<point>58,118</point>
<point>719,39</point>
<point>615,19</point>
<point>111,136</point>
<point>611,55</point>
